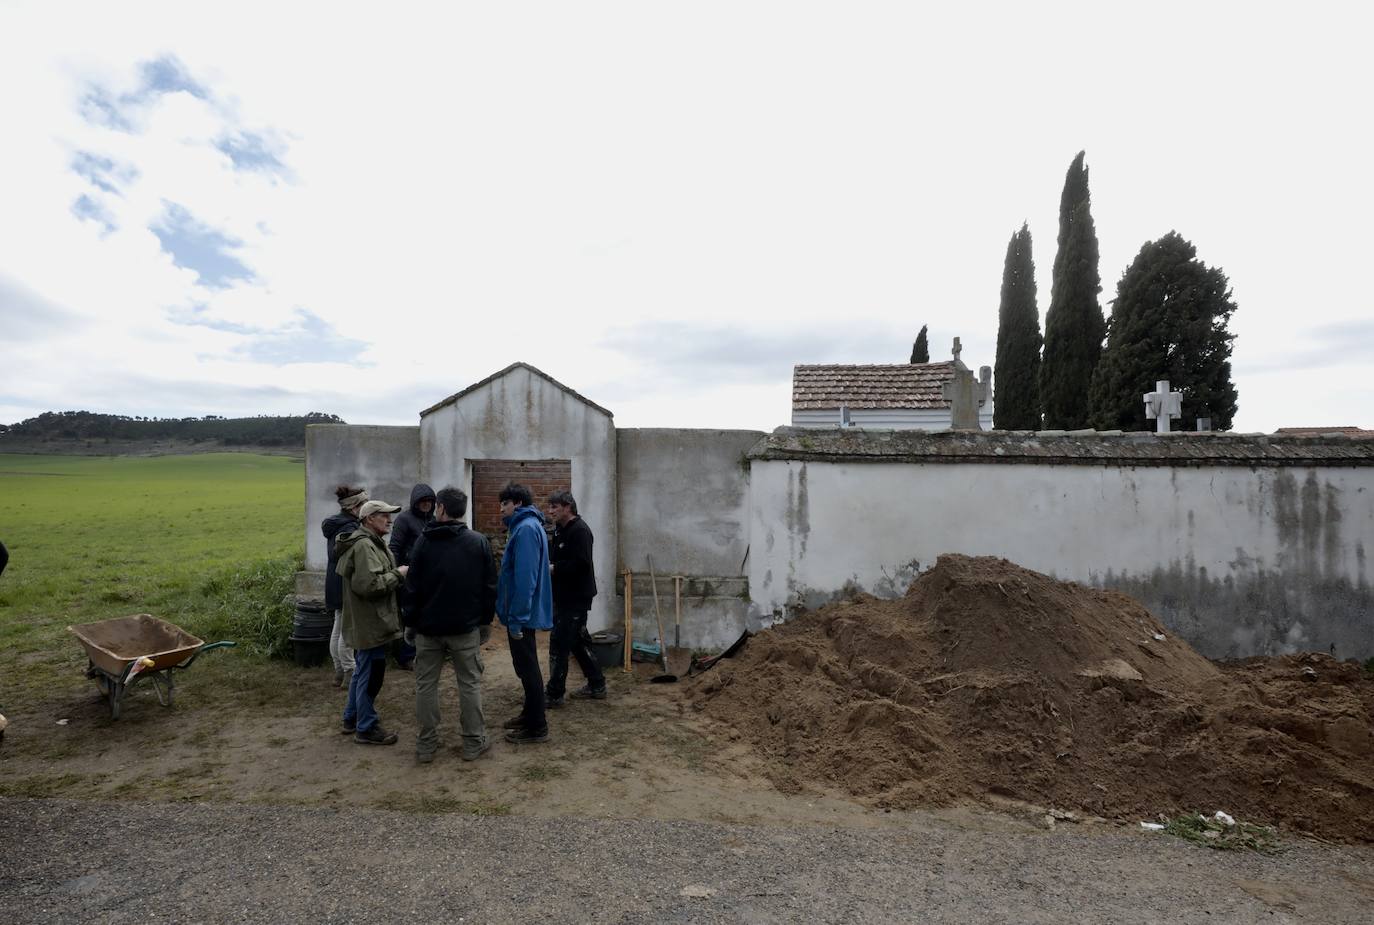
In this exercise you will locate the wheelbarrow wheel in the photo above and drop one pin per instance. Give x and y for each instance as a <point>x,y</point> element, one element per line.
<point>110,690</point>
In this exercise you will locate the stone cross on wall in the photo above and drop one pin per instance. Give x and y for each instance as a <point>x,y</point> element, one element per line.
<point>1161,404</point>
<point>965,394</point>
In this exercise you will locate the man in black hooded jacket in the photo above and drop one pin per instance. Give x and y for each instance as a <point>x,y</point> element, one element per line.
<point>405,533</point>
<point>574,586</point>
<point>452,584</point>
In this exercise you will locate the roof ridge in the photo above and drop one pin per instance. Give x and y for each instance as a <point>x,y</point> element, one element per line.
<point>497,375</point>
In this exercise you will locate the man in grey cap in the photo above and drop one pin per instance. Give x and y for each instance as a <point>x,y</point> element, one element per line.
<point>371,619</point>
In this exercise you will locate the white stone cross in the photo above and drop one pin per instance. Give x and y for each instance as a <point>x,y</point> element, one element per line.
<point>1161,404</point>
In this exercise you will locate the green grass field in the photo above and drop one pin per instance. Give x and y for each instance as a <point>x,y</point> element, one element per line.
<point>209,542</point>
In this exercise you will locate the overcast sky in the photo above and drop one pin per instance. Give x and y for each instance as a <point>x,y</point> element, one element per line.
<point>244,208</point>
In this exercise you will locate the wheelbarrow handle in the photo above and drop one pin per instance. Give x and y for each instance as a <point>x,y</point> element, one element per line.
<point>222,644</point>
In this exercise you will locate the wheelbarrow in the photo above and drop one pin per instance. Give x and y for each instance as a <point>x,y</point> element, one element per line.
<point>126,650</point>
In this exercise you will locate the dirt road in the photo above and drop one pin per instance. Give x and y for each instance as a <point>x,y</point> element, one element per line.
<point>248,806</point>
<point>132,862</point>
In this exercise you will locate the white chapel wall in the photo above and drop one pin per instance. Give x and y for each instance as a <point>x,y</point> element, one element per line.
<point>522,415</point>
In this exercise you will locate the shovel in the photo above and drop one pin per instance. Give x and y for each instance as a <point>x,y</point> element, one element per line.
<point>667,677</point>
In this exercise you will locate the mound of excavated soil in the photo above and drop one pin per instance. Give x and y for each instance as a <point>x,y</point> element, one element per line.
<point>988,678</point>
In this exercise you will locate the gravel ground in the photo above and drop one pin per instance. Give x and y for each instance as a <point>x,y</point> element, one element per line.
<point>64,861</point>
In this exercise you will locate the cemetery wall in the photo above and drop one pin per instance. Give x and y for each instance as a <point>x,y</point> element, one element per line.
<point>684,500</point>
<point>1243,545</point>
<point>384,460</point>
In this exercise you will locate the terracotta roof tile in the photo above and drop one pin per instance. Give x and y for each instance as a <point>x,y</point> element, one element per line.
<point>878,385</point>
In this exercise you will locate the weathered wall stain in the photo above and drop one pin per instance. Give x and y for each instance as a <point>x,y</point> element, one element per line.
<point>1254,611</point>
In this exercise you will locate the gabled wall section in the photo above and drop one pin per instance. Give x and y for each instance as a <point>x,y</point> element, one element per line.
<point>521,413</point>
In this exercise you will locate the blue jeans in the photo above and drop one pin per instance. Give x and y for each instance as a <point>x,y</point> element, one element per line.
<point>369,671</point>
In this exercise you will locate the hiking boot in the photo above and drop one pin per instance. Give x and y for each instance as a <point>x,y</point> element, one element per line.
<point>527,736</point>
<point>553,703</point>
<point>589,693</point>
<point>515,722</point>
<point>348,727</point>
<point>472,753</point>
<point>375,736</point>
<point>424,757</point>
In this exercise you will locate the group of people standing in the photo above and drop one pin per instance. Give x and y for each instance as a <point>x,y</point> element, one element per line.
<point>435,588</point>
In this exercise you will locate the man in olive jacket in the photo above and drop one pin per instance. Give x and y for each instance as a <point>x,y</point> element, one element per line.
<point>452,584</point>
<point>371,619</point>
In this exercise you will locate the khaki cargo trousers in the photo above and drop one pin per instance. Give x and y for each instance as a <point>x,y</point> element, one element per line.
<point>465,653</point>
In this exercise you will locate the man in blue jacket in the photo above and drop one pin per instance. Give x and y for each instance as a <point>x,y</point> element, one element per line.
<point>524,604</point>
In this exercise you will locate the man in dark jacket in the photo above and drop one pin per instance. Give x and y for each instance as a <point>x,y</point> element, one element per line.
<point>335,525</point>
<point>405,533</point>
<point>452,585</point>
<point>574,586</point>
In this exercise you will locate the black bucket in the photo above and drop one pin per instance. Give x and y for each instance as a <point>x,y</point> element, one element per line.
<point>309,653</point>
<point>608,649</point>
<point>312,621</point>
<point>310,631</point>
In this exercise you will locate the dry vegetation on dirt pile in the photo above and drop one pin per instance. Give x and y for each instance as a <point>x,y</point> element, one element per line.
<point>990,679</point>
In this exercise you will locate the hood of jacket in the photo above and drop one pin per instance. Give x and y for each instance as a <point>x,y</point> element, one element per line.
<point>417,494</point>
<point>443,532</point>
<point>522,514</point>
<point>335,524</point>
<point>348,538</point>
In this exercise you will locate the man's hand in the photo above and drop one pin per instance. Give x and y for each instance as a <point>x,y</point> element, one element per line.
<point>516,633</point>
<point>402,569</point>
<point>409,636</point>
<point>483,634</point>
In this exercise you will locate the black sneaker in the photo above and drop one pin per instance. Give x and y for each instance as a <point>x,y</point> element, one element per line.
<point>527,736</point>
<point>553,703</point>
<point>348,727</point>
<point>515,722</point>
<point>375,736</point>
<point>589,693</point>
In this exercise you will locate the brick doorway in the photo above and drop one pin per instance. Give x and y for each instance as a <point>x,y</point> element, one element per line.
<point>543,477</point>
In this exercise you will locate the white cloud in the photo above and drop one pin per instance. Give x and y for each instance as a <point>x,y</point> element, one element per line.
<point>467,185</point>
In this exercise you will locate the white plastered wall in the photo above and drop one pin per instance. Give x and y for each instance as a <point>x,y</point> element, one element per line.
<point>522,415</point>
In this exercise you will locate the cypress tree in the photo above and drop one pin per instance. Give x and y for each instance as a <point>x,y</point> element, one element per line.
<point>920,350</point>
<point>1074,326</point>
<point>1017,373</point>
<point>1169,321</point>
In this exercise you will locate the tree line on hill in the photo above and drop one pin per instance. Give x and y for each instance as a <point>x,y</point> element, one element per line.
<point>1168,321</point>
<point>262,430</point>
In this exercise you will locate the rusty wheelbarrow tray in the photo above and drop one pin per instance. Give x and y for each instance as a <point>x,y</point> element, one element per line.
<point>124,650</point>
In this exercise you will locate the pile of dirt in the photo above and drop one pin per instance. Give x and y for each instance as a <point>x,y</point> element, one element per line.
<point>991,679</point>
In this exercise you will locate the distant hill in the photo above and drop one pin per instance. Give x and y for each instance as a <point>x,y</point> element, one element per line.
<point>89,432</point>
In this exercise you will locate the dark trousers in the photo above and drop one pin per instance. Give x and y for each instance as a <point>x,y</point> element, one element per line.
<point>524,655</point>
<point>566,639</point>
